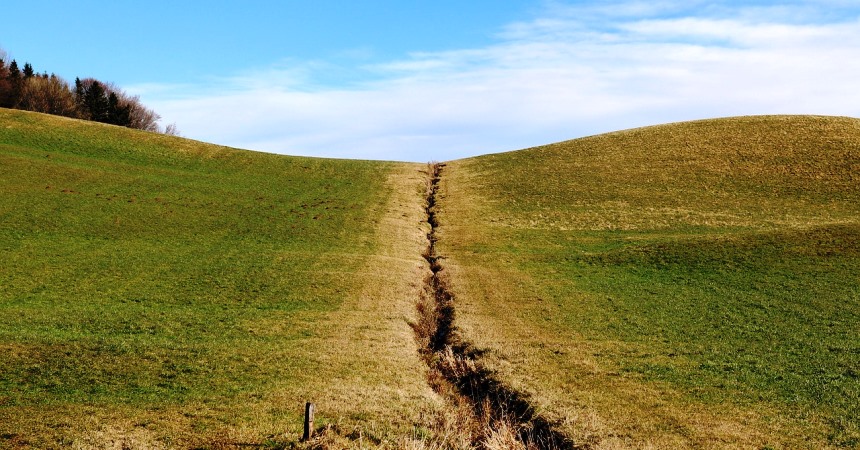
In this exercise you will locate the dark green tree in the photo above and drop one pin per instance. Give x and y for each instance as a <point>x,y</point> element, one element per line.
<point>16,85</point>
<point>96,102</point>
<point>28,71</point>
<point>14,71</point>
<point>79,94</point>
<point>117,113</point>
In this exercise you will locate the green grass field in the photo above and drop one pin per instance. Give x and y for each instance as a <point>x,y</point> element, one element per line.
<point>691,285</point>
<point>688,285</point>
<point>161,291</point>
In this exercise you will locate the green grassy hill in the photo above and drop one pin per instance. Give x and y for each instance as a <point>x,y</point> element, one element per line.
<point>692,285</point>
<point>157,291</point>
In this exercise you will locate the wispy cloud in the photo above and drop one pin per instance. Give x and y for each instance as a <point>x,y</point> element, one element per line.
<point>570,72</point>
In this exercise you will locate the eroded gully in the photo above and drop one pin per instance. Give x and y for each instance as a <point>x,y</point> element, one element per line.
<point>498,417</point>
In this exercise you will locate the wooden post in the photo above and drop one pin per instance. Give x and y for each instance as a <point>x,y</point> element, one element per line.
<point>309,421</point>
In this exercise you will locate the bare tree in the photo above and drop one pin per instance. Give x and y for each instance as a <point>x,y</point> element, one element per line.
<point>172,130</point>
<point>142,117</point>
<point>49,95</point>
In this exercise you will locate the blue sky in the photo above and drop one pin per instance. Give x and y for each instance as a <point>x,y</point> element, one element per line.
<point>446,79</point>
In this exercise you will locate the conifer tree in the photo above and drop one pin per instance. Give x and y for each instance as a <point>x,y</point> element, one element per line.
<point>28,71</point>
<point>96,103</point>
<point>79,94</point>
<point>117,113</point>
<point>14,71</point>
<point>15,84</point>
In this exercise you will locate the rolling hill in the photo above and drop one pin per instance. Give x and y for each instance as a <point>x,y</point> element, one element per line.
<point>690,285</point>
<point>160,292</point>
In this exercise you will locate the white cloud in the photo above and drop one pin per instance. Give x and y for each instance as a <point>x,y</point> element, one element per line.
<point>573,71</point>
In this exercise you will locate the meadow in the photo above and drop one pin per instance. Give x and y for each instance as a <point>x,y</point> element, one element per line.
<point>160,292</point>
<point>689,285</point>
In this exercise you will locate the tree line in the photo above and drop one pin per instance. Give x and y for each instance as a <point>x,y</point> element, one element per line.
<point>88,99</point>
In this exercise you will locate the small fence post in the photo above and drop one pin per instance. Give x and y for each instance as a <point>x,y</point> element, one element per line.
<point>309,421</point>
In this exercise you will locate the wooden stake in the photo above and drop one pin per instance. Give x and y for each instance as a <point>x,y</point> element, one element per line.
<point>309,421</point>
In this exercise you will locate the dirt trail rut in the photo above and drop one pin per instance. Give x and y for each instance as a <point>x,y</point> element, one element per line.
<point>500,417</point>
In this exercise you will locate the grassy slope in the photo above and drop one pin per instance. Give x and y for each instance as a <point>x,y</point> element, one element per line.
<point>686,285</point>
<point>163,292</point>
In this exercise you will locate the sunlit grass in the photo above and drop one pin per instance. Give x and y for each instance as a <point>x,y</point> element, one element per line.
<point>677,286</point>
<point>170,292</point>
<point>690,285</point>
